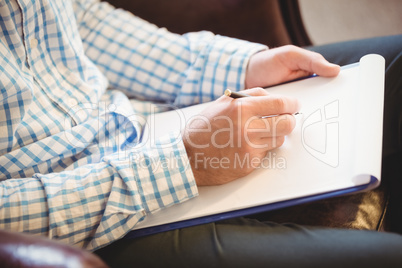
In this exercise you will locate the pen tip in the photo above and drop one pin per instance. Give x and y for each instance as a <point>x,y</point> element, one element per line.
<point>228,92</point>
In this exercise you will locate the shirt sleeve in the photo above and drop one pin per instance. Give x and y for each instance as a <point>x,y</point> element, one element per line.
<point>151,63</point>
<point>96,204</point>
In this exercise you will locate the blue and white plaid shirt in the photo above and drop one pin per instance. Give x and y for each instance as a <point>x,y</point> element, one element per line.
<point>72,74</point>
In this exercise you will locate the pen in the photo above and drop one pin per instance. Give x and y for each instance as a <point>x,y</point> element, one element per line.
<point>236,95</point>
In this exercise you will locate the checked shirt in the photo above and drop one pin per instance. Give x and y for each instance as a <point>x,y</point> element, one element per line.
<point>77,79</point>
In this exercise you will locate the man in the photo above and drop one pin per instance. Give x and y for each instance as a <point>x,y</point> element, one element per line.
<point>67,130</point>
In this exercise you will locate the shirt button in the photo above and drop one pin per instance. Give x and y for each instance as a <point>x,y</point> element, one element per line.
<point>34,43</point>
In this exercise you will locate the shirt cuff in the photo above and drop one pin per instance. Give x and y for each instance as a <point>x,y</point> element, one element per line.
<point>218,63</point>
<point>236,66</point>
<point>163,173</point>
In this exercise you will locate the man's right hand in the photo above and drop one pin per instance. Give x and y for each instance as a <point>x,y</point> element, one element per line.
<point>229,139</point>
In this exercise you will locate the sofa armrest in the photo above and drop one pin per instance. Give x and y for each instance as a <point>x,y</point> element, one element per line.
<point>24,250</point>
<point>270,22</point>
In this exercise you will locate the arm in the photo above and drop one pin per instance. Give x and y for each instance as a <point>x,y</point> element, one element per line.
<point>152,63</point>
<point>236,128</point>
<point>95,204</point>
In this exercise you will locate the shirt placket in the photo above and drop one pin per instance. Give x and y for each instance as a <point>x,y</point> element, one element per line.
<point>35,61</point>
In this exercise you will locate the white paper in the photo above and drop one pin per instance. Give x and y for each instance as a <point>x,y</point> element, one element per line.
<point>336,145</point>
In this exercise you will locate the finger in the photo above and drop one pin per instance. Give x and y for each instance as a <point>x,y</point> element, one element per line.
<point>313,62</point>
<point>257,91</point>
<point>275,142</point>
<point>265,144</point>
<point>270,105</point>
<point>308,62</point>
<point>270,127</point>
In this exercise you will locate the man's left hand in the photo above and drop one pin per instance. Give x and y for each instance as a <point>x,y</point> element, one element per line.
<point>278,65</point>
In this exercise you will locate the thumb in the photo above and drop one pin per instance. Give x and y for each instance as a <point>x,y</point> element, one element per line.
<point>313,62</point>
